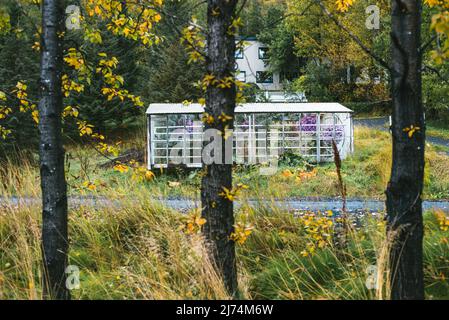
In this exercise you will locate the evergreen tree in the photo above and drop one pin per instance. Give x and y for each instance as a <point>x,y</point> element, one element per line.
<point>172,79</point>
<point>19,62</point>
<point>114,115</point>
<point>167,76</point>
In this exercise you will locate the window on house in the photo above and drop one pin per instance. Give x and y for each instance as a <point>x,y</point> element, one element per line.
<point>241,76</point>
<point>264,53</point>
<point>264,77</point>
<point>239,53</point>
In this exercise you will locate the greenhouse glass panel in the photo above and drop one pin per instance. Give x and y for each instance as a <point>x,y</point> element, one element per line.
<point>262,131</point>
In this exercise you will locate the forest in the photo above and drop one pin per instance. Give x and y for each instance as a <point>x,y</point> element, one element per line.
<point>354,206</point>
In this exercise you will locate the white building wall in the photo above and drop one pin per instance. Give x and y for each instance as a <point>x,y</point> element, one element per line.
<point>250,63</point>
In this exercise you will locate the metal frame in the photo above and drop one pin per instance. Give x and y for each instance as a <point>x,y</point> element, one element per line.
<point>292,134</point>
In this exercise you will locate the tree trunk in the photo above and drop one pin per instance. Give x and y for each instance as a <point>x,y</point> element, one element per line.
<point>404,205</point>
<point>217,210</point>
<point>53,184</point>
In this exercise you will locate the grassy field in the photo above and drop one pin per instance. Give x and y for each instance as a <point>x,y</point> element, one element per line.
<point>145,252</point>
<point>438,129</point>
<point>141,250</point>
<point>365,174</point>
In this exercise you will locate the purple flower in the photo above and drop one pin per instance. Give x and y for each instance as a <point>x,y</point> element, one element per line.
<point>307,123</point>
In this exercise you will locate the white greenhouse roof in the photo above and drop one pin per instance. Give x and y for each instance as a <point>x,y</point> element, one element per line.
<point>324,107</point>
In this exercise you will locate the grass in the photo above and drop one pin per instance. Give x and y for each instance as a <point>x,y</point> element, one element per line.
<point>366,174</point>
<point>128,253</point>
<point>437,129</point>
<point>138,251</point>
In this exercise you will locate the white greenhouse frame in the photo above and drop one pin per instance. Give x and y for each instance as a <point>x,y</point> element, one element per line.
<point>294,127</point>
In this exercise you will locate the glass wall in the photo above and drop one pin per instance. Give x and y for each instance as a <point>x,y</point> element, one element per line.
<point>257,138</point>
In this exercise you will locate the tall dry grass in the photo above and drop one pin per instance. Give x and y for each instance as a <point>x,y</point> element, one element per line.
<point>135,249</point>
<point>131,251</point>
<point>19,176</point>
<point>130,247</point>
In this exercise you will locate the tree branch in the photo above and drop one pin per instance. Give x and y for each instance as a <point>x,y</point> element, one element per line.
<point>435,71</point>
<point>428,43</point>
<point>353,36</point>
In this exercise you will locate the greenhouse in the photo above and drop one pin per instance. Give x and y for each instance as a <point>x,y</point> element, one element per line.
<point>262,131</point>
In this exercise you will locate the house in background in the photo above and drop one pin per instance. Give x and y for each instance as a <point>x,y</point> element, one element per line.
<point>252,67</point>
<point>252,62</point>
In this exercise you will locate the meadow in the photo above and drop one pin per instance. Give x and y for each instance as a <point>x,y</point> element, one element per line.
<point>143,250</point>
<point>365,174</point>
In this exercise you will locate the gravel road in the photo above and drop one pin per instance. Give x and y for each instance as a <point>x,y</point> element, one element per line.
<point>352,205</point>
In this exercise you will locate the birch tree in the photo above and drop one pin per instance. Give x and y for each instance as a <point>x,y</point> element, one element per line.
<point>51,152</point>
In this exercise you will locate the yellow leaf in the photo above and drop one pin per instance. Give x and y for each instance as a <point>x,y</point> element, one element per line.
<point>173,184</point>
<point>121,168</point>
<point>35,115</point>
<point>149,175</point>
<point>287,173</point>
